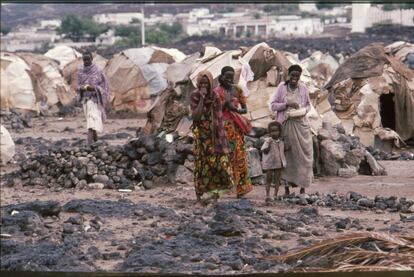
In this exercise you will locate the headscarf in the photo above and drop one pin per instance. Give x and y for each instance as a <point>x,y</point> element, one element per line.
<point>294,67</point>
<point>220,141</point>
<point>92,75</point>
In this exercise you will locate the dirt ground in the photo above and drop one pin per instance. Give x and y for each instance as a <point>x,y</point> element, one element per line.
<point>399,182</point>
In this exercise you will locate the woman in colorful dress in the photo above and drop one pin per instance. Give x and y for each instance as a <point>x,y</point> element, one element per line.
<point>212,172</point>
<point>236,127</point>
<point>291,97</point>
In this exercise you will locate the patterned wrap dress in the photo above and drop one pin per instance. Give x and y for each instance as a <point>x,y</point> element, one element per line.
<point>235,136</point>
<point>212,167</point>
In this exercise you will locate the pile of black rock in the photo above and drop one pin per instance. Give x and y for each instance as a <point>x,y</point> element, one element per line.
<point>14,121</point>
<point>353,201</point>
<point>136,163</point>
<point>379,155</point>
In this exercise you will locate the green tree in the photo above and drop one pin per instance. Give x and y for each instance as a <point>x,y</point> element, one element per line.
<point>328,6</point>
<point>175,29</point>
<point>126,31</point>
<point>257,16</point>
<point>282,9</point>
<point>402,6</point>
<point>75,27</point>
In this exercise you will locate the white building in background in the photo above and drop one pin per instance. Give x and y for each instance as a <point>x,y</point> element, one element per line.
<point>297,26</point>
<point>308,7</point>
<point>200,22</point>
<point>364,16</point>
<point>165,18</point>
<point>194,14</point>
<point>117,18</point>
<point>271,26</point>
<point>27,39</point>
<point>51,24</point>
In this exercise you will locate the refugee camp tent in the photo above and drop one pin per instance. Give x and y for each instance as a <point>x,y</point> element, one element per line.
<point>16,89</point>
<point>49,85</point>
<point>63,54</point>
<point>402,51</point>
<point>373,90</point>
<point>70,71</point>
<point>259,60</point>
<point>136,74</point>
<point>4,92</point>
<point>7,147</point>
<point>321,67</point>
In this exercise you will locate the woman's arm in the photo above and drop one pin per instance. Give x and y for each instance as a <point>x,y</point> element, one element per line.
<point>242,100</point>
<point>277,103</point>
<point>197,105</point>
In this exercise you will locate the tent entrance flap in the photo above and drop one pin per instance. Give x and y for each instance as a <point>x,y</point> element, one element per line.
<point>387,110</point>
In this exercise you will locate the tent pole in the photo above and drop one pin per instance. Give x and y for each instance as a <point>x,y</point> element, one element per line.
<point>142,27</point>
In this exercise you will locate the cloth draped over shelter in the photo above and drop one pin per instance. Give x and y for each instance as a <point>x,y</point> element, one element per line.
<point>358,84</point>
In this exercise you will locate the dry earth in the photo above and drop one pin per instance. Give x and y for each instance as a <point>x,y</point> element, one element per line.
<point>119,233</point>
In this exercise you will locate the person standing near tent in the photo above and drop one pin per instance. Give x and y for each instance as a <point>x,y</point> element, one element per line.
<point>93,93</point>
<point>291,102</point>
<point>236,127</point>
<point>212,168</point>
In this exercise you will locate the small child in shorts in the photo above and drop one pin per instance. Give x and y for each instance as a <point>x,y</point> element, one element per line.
<point>273,159</point>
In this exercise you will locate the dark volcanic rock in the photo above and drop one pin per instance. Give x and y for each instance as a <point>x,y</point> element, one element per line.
<point>43,208</point>
<point>45,256</point>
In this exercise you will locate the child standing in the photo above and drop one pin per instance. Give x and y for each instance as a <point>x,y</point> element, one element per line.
<point>273,160</point>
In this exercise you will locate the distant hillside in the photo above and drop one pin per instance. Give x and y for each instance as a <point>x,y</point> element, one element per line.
<point>15,14</point>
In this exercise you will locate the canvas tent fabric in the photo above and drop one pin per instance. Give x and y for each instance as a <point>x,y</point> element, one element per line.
<point>321,67</point>
<point>358,84</point>
<point>49,85</point>
<point>137,75</point>
<point>17,88</point>
<point>70,71</point>
<point>7,146</point>
<point>63,54</point>
<point>400,50</point>
<point>178,72</point>
<point>263,58</point>
<point>4,92</point>
<point>367,62</point>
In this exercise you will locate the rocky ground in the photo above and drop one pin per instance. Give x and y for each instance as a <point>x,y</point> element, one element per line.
<point>160,228</point>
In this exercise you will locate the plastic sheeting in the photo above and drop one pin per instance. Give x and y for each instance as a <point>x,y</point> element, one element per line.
<point>6,145</point>
<point>17,90</point>
<point>50,86</point>
<point>63,54</point>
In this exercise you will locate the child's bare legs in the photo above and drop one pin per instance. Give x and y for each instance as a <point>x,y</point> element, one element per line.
<point>287,191</point>
<point>90,136</point>
<point>278,174</point>
<point>269,179</point>
<point>95,136</point>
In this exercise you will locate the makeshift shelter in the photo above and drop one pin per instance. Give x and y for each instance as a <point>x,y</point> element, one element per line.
<point>259,68</point>
<point>402,51</point>
<point>49,85</point>
<point>373,90</point>
<point>321,67</point>
<point>63,54</point>
<point>70,71</point>
<point>16,84</point>
<point>7,147</point>
<point>135,75</point>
